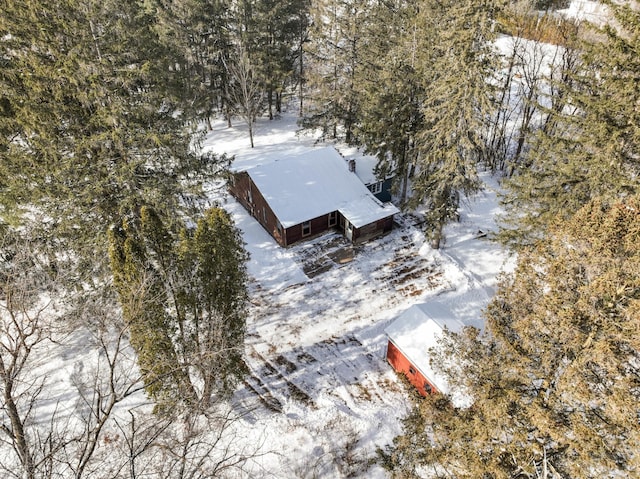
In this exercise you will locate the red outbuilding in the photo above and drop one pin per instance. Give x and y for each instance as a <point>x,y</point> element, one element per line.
<point>412,338</point>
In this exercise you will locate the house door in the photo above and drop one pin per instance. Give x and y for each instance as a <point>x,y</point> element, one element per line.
<point>348,229</point>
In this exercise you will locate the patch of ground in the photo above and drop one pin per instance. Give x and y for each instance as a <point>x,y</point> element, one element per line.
<point>307,342</point>
<point>324,253</point>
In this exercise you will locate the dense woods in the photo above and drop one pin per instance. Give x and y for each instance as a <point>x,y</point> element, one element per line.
<point>105,226</point>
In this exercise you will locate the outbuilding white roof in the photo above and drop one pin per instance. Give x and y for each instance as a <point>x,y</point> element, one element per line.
<point>314,183</point>
<point>419,329</point>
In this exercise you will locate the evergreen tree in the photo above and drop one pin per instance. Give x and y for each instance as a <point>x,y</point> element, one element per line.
<point>91,127</point>
<point>589,143</point>
<point>95,133</point>
<point>279,26</point>
<point>144,306</point>
<point>212,297</point>
<point>186,288</point>
<point>200,34</point>
<point>391,92</point>
<point>454,64</point>
<point>555,381</point>
<point>336,43</point>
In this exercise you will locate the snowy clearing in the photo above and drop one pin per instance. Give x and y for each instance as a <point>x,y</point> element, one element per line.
<point>322,395</point>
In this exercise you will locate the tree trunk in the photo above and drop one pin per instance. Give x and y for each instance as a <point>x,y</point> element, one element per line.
<point>270,102</point>
<point>16,433</point>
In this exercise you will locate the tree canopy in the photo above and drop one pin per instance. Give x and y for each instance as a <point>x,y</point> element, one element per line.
<point>555,380</point>
<point>588,144</point>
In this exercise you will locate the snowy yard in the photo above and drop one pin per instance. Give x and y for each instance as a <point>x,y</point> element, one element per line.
<point>320,393</point>
<point>319,397</point>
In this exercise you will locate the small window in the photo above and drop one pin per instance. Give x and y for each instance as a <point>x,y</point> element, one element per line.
<point>427,388</point>
<point>411,370</point>
<point>306,228</point>
<point>333,218</point>
<point>249,196</point>
<point>264,214</point>
<point>375,188</point>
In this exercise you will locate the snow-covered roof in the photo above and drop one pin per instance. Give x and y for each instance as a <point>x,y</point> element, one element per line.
<point>365,168</point>
<point>365,164</point>
<point>314,183</point>
<point>420,328</point>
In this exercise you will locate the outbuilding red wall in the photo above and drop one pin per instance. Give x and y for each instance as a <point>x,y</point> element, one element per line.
<point>402,365</point>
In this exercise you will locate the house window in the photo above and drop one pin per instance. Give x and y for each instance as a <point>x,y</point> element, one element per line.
<point>306,228</point>
<point>333,218</point>
<point>279,227</point>
<point>411,370</point>
<point>264,214</point>
<point>249,196</point>
<point>375,188</point>
<point>427,388</point>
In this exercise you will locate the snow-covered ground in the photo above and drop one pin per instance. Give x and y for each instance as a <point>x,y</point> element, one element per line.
<point>323,396</point>
<point>320,397</point>
<point>586,10</point>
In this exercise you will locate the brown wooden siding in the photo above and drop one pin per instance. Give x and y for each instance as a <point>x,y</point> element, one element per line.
<point>246,192</point>
<point>372,230</point>
<point>319,225</point>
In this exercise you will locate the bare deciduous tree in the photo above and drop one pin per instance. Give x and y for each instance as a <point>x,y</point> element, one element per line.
<point>24,329</point>
<point>112,378</point>
<point>245,90</point>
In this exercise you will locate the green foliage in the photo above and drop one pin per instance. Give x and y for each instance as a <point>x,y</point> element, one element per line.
<point>183,293</point>
<point>201,34</point>
<point>551,4</point>
<point>212,298</point>
<point>90,128</point>
<point>555,381</point>
<point>408,81</point>
<point>143,299</point>
<point>277,31</point>
<point>336,45</point>
<point>454,62</point>
<point>392,94</point>
<point>588,147</point>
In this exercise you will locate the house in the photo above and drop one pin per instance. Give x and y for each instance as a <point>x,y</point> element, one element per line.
<point>303,195</point>
<point>411,339</point>
<point>364,167</point>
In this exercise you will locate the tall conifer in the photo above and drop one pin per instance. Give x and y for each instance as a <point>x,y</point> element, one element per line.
<point>391,92</point>
<point>94,122</point>
<point>588,148</point>
<point>555,381</point>
<point>335,56</point>
<point>454,64</point>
